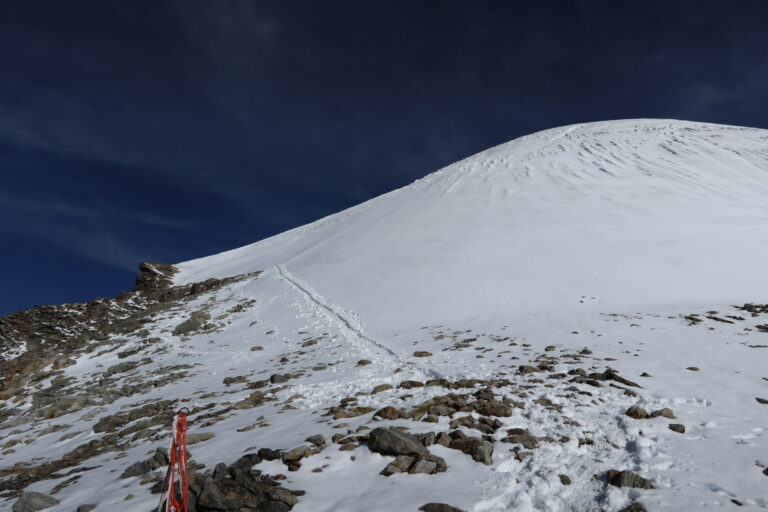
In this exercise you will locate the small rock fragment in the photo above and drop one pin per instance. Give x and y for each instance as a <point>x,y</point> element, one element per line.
<point>677,427</point>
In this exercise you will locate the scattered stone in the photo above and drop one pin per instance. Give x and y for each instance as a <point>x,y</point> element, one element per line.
<point>352,412</point>
<point>478,448</point>
<point>637,413</point>
<point>234,380</point>
<point>387,413</point>
<point>317,440</point>
<point>86,507</point>
<point>363,362</point>
<point>438,507</point>
<point>665,412</point>
<point>410,384</point>
<point>628,479</point>
<point>763,401</point>
<point>521,436</point>
<point>526,369</point>
<point>254,400</point>
<point>693,368</point>
<point>158,460</point>
<point>380,388</point>
<point>677,427</point>
<point>278,379</point>
<point>33,501</point>
<point>394,442</point>
<point>565,479</point>
<point>422,353</point>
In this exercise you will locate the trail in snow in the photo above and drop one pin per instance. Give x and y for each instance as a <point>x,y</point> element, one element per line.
<point>351,326</point>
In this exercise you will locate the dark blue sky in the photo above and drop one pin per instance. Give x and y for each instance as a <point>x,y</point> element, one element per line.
<point>167,130</point>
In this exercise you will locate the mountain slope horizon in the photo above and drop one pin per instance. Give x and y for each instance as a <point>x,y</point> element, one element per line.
<point>575,320</point>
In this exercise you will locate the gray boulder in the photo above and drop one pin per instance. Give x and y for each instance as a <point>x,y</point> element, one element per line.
<point>33,501</point>
<point>394,442</point>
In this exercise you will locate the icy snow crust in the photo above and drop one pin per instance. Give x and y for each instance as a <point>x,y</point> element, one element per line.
<point>601,236</point>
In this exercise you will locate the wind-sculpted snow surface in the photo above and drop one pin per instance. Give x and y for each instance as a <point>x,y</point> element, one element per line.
<point>572,321</point>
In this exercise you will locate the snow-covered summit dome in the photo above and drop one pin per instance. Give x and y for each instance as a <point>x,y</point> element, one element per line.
<point>629,212</point>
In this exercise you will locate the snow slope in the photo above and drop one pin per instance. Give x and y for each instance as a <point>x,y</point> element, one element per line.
<point>601,236</point>
<point>633,213</point>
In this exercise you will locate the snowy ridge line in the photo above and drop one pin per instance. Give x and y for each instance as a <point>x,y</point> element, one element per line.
<point>337,315</point>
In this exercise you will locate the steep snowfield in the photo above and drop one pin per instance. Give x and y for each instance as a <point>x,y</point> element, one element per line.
<point>600,236</point>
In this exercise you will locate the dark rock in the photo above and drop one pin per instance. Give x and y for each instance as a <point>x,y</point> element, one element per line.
<point>521,436</point>
<point>401,464</point>
<point>278,379</point>
<point>634,507</point>
<point>628,479</point>
<point>763,401</point>
<point>387,413</point>
<point>478,448</point>
<point>637,413</point>
<point>86,507</point>
<point>438,507</point>
<point>422,353</point>
<point>565,479</point>
<point>158,460</point>
<point>526,369</point>
<point>33,501</point>
<point>317,440</point>
<point>363,362</point>
<point>677,427</point>
<point>394,442</point>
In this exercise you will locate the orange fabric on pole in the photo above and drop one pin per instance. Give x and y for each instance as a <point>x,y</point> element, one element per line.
<point>177,500</point>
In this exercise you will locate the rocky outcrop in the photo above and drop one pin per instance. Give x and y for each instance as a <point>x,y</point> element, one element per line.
<point>239,487</point>
<point>154,276</point>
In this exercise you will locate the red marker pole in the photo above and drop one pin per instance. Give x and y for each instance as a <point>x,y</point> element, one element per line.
<point>173,499</point>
